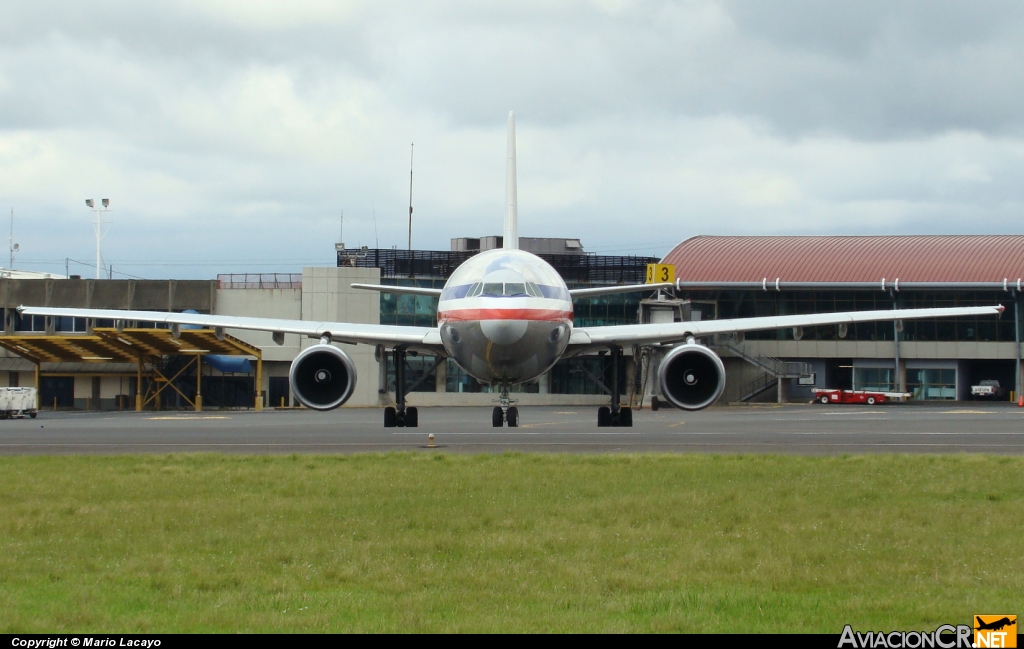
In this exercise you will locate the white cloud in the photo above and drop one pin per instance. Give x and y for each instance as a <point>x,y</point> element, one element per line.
<point>238,131</point>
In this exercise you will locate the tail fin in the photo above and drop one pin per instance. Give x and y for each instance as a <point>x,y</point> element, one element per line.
<point>511,235</point>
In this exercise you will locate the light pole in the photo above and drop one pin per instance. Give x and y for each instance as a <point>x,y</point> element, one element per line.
<point>10,242</point>
<point>98,227</point>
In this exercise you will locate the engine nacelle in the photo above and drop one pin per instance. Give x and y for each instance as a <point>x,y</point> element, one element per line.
<point>322,377</point>
<point>691,377</point>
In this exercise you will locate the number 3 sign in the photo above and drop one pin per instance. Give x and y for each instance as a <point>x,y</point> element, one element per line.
<point>660,273</point>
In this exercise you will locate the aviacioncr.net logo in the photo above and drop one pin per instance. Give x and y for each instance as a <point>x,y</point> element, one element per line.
<point>946,636</point>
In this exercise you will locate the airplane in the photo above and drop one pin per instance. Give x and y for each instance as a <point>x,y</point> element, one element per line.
<point>505,316</point>
<point>994,625</point>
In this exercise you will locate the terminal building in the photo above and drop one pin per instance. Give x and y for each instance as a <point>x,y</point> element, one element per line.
<point>736,277</point>
<point>109,365</point>
<point>126,365</point>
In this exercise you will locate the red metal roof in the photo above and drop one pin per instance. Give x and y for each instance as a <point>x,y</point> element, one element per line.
<point>972,258</point>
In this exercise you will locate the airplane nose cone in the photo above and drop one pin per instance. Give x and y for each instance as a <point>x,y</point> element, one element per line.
<point>503,332</point>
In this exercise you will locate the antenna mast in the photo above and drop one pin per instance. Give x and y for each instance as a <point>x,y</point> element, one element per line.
<point>376,239</point>
<point>411,151</point>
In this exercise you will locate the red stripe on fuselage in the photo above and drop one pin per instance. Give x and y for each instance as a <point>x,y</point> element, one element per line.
<point>474,315</point>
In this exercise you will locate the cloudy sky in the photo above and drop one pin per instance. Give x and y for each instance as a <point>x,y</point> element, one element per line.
<point>229,136</point>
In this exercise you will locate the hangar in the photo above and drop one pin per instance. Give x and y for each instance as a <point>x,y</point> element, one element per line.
<point>726,277</point>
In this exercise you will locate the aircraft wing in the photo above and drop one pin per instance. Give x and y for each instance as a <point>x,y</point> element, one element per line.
<point>669,332</point>
<point>342,332</point>
<point>405,290</point>
<point>611,290</point>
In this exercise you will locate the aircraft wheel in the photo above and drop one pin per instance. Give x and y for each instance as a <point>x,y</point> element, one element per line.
<point>604,417</point>
<point>390,417</point>
<point>497,417</point>
<point>412,417</point>
<point>871,401</point>
<point>626,418</point>
<point>32,415</point>
<point>654,404</point>
<point>824,400</point>
<point>513,417</point>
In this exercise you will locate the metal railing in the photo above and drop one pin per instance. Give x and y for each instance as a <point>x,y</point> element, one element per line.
<point>761,383</point>
<point>439,264</point>
<point>774,366</point>
<point>259,280</point>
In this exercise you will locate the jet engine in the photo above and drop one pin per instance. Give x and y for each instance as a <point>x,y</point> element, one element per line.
<point>322,377</point>
<point>691,377</point>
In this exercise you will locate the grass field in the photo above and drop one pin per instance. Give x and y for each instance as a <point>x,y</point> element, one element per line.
<point>507,542</point>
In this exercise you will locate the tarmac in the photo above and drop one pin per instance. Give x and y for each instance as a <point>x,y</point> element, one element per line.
<point>784,429</point>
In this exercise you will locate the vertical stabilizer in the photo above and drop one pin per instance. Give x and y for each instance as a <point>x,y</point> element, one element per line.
<point>511,234</point>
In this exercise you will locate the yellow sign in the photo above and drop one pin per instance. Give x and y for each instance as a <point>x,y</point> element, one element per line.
<point>660,273</point>
<point>995,631</point>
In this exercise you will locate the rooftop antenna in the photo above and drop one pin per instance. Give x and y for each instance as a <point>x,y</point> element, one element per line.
<point>411,151</point>
<point>376,240</point>
<point>10,242</point>
<point>338,247</point>
<point>98,227</point>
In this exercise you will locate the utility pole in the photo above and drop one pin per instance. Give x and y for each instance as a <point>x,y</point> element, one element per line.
<point>411,151</point>
<point>98,227</point>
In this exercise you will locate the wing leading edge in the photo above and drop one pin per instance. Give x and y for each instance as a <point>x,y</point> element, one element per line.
<point>342,332</point>
<point>648,334</point>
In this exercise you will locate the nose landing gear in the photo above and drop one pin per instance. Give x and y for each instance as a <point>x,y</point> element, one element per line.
<point>505,412</point>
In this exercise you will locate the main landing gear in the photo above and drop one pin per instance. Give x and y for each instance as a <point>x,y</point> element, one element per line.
<point>615,415</point>
<point>505,412</point>
<point>400,416</point>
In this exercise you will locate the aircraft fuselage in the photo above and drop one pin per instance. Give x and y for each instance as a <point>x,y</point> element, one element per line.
<point>505,316</point>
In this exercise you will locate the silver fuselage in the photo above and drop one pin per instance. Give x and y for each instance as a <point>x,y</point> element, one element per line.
<point>505,316</point>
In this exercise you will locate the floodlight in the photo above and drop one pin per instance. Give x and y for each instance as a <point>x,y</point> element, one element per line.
<point>88,202</point>
<point>17,247</point>
<point>106,202</point>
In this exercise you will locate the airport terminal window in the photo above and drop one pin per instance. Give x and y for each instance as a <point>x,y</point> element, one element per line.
<point>606,310</point>
<point>415,367</point>
<point>745,304</point>
<point>576,375</point>
<point>410,310</point>
<point>66,324</point>
<point>880,379</point>
<point>459,381</point>
<point>30,323</point>
<point>932,384</point>
<point>60,324</point>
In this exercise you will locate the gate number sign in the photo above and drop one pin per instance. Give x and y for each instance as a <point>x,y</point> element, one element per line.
<point>660,273</point>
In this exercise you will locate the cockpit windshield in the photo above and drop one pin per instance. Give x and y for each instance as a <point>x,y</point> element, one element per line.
<point>498,289</point>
